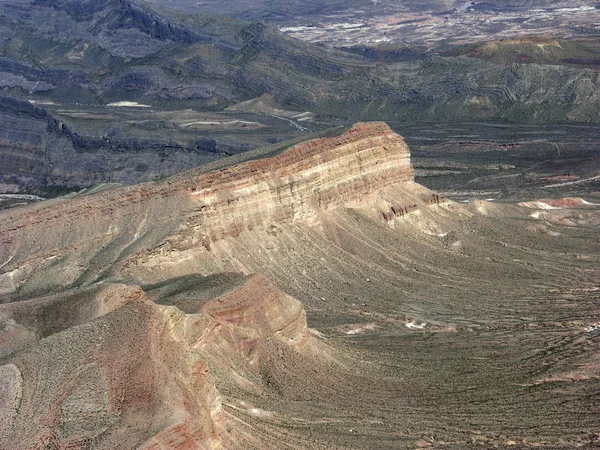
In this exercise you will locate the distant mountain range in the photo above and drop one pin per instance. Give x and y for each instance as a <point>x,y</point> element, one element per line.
<point>75,76</point>
<point>295,9</point>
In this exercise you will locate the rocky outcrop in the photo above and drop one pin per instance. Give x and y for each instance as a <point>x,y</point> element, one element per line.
<point>302,181</point>
<point>118,381</point>
<point>275,314</point>
<point>143,374</point>
<point>94,354</point>
<point>196,209</point>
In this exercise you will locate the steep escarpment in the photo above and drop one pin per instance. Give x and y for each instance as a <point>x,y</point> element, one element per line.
<point>90,234</point>
<point>302,181</point>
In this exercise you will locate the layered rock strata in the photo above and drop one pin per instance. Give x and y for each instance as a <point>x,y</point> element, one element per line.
<point>168,315</point>
<point>77,240</point>
<point>302,181</point>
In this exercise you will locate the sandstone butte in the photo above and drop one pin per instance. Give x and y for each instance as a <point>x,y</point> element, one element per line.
<point>126,313</point>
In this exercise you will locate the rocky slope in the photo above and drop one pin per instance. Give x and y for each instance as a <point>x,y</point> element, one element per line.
<point>176,314</point>
<point>183,331</point>
<point>195,209</point>
<point>301,182</point>
<point>157,389</point>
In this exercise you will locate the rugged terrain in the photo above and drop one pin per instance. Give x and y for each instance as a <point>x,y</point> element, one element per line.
<point>129,91</point>
<point>301,288</point>
<point>308,295</point>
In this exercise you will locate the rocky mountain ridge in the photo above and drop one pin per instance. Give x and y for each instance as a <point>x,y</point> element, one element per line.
<point>297,184</point>
<point>303,296</point>
<point>62,262</point>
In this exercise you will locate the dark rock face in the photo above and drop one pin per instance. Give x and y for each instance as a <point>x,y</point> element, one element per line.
<point>23,140</point>
<point>84,55</point>
<point>39,152</point>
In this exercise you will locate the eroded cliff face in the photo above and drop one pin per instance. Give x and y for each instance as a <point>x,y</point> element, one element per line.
<point>300,183</point>
<point>79,239</point>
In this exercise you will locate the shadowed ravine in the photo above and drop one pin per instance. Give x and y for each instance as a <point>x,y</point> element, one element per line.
<point>309,297</point>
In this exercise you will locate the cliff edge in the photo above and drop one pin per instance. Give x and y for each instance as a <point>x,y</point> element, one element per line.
<point>75,241</point>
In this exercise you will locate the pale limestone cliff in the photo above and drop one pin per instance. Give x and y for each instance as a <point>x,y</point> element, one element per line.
<point>72,242</point>
<point>301,182</point>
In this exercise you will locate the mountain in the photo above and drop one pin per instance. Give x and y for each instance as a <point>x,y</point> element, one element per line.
<point>122,91</point>
<point>124,50</point>
<point>307,295</point>
<point>295,185</point>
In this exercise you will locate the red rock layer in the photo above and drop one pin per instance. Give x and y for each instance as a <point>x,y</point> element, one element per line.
<point>141,376</point>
